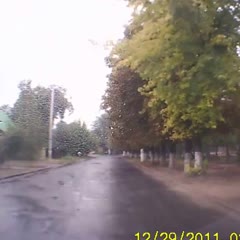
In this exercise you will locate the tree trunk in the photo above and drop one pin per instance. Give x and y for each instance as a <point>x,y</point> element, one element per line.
<point>238,152</point>
<point>142,155</point>
<point>147,151</point>
<point>187,155</point>
<point>207,153</point>
<point>163,154</point>
<point>151,154</point>
<point>135,154</point>
<point>156,155</point>
<point>198,156</point>
<point>227,153</point>
<point>172,155</point>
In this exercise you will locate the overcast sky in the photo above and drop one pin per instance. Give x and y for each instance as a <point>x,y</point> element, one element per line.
<point>47,41</point>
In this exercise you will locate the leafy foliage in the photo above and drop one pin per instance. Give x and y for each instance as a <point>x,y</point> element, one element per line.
<point>187,52</point>
<point>7,109</point>
<point>30,115</point>
<point>72,138</point>
<point>31,112</point>
<point>101,132</point>
<point>123,103</point>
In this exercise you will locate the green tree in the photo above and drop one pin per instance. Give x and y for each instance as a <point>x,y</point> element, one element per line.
<point>30,114</point>
<point>101,132</point>
<point>122,101</point>
<point>73,138</point>
<point>7,109</point>
<point>27,116</point>
<point>61,138</point>
<point>187,52</point>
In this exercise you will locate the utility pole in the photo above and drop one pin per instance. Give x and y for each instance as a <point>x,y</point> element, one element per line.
<point>51,124</point>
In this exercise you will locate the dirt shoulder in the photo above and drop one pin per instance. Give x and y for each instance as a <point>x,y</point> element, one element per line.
<point>219,188</point>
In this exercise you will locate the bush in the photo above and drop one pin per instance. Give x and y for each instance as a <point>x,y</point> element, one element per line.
<point>2,150</point>
<point>195,171</point>
<point>29,150</point>
<point>198,171</point>
<point>19,147</point>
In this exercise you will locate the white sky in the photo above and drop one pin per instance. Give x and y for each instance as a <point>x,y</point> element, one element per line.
<point>47,41</point>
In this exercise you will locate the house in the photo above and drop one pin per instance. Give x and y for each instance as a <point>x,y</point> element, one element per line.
<point>5,122</point>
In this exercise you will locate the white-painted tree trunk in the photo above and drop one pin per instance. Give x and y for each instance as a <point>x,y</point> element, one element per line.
<point>187,161</point>
<point>124,154</point>
<point>198,160</point>
<point>171,162</point>
<point>142,155</point>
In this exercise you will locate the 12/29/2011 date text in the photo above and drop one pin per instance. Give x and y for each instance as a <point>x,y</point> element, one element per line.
<point>184,236</point>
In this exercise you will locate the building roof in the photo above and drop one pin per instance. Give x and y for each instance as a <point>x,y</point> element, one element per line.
<point>5,121</point>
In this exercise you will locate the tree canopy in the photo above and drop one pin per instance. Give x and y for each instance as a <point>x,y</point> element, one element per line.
<point>31,111</point>
<point>69,139</point>
<point>187,53</point>
<point>101,132</point>
<point>175,74</point>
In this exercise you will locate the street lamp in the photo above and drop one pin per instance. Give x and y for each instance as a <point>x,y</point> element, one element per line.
<point>50,139</point>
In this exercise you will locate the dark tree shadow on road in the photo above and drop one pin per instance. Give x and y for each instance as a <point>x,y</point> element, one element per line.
<point>142,204</point>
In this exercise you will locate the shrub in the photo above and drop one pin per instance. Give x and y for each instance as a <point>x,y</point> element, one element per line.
<point>17,146</point>
<point>198,171</point>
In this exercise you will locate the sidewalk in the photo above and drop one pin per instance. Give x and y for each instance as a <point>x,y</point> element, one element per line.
<point>11,169</point>
<point>218,189</point>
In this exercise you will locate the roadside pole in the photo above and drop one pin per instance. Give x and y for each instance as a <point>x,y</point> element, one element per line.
<point>51,125</point>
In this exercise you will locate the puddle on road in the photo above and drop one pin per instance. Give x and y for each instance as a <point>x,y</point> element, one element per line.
<point>61,182</point>
<point>70,175</point>
<point>26,202</point>
<point>80,197</point>
<point>36,187</point>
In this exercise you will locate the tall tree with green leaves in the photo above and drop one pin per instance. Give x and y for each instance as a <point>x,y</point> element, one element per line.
<point>7,109</point>
<point>31,112</point>
<point>69,139</point>
<point>101,131</point>
<point>122,101</point>
<point>187,52</point>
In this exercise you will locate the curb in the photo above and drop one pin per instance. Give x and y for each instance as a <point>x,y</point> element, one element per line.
<point>33,172</point>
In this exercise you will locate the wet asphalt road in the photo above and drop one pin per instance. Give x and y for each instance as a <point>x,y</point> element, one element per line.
<point>105,198</point>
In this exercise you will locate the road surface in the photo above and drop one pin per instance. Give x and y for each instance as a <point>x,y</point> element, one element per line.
<point>101,199</point>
